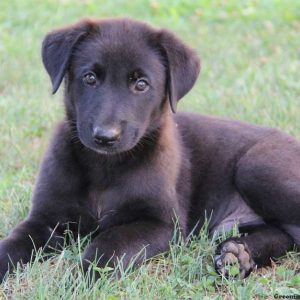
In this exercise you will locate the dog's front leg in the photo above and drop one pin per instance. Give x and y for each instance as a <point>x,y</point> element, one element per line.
<point>19,246</point>
<point>140,239</point>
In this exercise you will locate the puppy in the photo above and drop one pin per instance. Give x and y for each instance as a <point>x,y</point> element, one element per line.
<point>123,166</point>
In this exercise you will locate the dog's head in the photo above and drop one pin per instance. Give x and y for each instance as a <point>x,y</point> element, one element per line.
<point>119,75</point>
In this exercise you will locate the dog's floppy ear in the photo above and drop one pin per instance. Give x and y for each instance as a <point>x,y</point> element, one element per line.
<point>183,66</point>
<point>57,49</point>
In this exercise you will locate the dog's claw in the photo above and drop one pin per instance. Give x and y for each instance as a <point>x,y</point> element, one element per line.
<point>232,253</point>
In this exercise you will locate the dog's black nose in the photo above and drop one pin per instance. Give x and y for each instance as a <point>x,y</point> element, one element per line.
<point>106,136</point>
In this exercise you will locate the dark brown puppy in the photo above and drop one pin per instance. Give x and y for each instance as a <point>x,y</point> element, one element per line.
<point>122,165</point>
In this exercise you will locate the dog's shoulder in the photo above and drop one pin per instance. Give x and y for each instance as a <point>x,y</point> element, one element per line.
<point>216,125</point>
<point>210,136</point>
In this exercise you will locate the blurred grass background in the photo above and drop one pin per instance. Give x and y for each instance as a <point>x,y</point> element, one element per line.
<point>250,53</point>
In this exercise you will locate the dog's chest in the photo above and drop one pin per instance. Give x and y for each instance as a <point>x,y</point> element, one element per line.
<point>109,204</point>
<point>103,203</point>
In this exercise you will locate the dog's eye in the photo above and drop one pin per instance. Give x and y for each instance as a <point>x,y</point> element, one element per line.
<point>141,85</point>
<point>90,78</point>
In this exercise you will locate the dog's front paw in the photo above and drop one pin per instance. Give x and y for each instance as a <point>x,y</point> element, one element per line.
<point>5,262</point>
<point>233,253</point>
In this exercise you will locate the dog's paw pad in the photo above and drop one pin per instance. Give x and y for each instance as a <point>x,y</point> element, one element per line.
<point>232,256</point>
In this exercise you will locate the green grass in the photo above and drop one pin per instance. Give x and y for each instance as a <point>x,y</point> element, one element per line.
<point>250,54</point>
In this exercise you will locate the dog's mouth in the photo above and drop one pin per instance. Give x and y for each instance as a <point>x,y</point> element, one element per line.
<point>136,143</point>
<point>117,148</point>
<point>125,142</point>
<point>106,150</point>
<point>114,150</point>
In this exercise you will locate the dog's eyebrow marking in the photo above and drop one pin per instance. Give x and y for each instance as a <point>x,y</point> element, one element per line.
<point>98,67</point>
<point>137,73</point>
<point>93,66</point>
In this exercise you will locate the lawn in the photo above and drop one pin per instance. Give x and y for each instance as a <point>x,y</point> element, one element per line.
<point>250,53</point>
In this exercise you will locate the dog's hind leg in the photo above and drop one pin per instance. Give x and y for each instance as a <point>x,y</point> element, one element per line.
<point>252,250</point>
<point>268,178</point>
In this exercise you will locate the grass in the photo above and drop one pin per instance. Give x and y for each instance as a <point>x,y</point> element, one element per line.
<point>250,54</point>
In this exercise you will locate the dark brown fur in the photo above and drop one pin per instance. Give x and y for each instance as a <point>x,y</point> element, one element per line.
<point>123,166</point>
